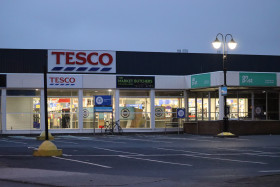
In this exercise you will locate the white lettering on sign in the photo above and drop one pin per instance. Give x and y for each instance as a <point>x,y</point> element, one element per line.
<point>194,81</point>
<point>64,81</point>
<point>245,79</point>
<point>82,61</point>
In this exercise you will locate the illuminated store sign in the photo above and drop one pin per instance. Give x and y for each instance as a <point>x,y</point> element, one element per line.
<point>64,81</point>
<point>257,79</point>
<point>202,80</point>
<point>135,82</point>
<point>82,61</point>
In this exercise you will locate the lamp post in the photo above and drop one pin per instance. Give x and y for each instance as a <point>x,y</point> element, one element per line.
<point>231,45</point>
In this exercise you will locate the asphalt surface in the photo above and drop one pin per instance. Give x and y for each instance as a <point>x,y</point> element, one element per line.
<point>143,160</point>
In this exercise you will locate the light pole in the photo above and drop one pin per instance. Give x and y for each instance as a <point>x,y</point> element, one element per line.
<point>231,45</point>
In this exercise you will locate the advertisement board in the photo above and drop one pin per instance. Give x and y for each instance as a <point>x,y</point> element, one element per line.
<point>103,100</point>
<point>135,82</point>
<point>257,79</point>
<point>64,81</point>
<point>200,81</point>
<point>81,61</point>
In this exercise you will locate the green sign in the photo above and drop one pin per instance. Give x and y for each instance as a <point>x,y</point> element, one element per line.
<point>257,79</point>
<point>202,80</point>
<point>135,82</point>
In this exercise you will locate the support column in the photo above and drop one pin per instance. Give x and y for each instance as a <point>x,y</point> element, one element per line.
<point>195,101</point>
<point>81,117</point>
<point>266,105</point>
<point>3,109</point>
<point>186,103</point>
<point>152,98</point>
<point>221,104</point>
<point>209,106</point>
<point>253,105</point>
<point>117,105</point>
<point>237,105</point>
<point>42,111</point>
<point>279,106</point>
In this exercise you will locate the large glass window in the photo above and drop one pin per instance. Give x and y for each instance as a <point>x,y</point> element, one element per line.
<point>88,105</point>
<point>166,104</point>
<point>23,109</point>
<point>134,109</point>
<point>0,111</point>
<point>260,111</point>
<point>63,109</point>
<point>273,106</point>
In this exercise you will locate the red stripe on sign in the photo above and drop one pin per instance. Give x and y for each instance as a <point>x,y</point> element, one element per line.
<point>64,100</point>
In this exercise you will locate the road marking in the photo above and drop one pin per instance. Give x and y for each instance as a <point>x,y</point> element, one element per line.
<point>183,151</point>
<point>107,141</point>
<point>173,163</point>
<point>12,141</point>
<point>270,171</point>
<point>190,139</point>
<point>14,155</point>
<point>147,140</point>
<point>263,155</point>
<point>224,159</point>
<point>116,151</point>
<point>89,163</point>
<point>246,150</point>
<point>65,142</point>
<point>96,140</point>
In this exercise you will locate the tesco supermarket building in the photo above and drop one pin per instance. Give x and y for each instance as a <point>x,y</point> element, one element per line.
<point>147,88</point>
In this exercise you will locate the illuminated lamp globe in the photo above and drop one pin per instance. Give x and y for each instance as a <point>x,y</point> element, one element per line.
<point>232,44</point>
<point>216,44</point>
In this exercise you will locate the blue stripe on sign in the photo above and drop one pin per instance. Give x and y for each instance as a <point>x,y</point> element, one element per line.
<point>61,84</point>
<point>82,69</point>
<point>56,84</point>
<point>106,69</point>
<point>93,69</point>
<point>57,68</point>
<point>69,69</point>
<point>67,84</point>
<point>51,84</point>
<point>72,84</point>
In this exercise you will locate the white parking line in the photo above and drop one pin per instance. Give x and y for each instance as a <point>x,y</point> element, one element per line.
<point>173,163</point>
<point>155,141</point>
<point>183,151</point>
<point>13,141</point>
<point>59,141</point>
<point>224,159</point>
<point>247,150</point>
<point>270,171</point>
<point>89,163</point>
<point>192,139</point>
<point>116,151</point>
<point>93,139</point>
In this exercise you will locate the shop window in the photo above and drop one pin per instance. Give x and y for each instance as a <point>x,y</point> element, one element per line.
<point>63,109</point>
<point>0,111</point>
<point>88,105</point>
<point>134,110</point>
<point>260,110</point>
<point>23,110</point>
<point>273,106</point>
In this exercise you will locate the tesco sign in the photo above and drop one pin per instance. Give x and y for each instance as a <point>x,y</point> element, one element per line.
<point>81,61</point>
<point>64,81</point>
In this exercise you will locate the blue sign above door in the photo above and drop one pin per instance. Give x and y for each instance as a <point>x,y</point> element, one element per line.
<point>103,100</point>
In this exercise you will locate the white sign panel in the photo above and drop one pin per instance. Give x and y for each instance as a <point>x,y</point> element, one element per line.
<point>81,61</point>
<point>65,81</point>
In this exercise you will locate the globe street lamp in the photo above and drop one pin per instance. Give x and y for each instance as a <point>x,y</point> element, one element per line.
<point>231,45</point>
